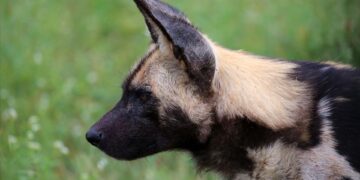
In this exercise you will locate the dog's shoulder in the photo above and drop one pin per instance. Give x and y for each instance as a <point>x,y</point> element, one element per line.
<point>336,89</point>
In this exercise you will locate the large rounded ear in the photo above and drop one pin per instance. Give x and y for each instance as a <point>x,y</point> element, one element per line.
<point>169,26</point>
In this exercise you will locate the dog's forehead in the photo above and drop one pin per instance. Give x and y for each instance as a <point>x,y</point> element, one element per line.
<point>137,75</point>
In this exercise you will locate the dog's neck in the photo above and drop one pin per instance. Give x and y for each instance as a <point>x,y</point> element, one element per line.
<point>258,88</point>
<point>228,147</point>
<point>245,84</point>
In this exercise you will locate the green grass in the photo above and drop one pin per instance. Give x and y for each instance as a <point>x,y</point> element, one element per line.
<point>62,62</point>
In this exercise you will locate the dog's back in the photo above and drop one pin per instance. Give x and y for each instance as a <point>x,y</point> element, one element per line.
<point>337,90</point>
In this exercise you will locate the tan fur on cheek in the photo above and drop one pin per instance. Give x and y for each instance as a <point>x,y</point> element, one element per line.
<point>139,71</point>
<point>174,89</point>
<point>171,85</point>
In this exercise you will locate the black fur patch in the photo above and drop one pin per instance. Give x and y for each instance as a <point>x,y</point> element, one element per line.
<point>130,130</point>
<point>311,74</point>
<point>345,178</point>
<point>345,115</point>
<point>177,126</point>
<point>225,150</point>
<point>341,87</point>
<point>188,43</point>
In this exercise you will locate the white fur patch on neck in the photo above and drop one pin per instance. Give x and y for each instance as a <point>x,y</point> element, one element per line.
<point>324,108</point>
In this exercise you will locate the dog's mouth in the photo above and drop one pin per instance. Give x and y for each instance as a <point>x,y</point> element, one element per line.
<point>130,150</point>
<point>126,148</point>
<point>130,153</point>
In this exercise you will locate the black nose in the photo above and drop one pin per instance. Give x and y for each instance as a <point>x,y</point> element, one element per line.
<point>94,137</point>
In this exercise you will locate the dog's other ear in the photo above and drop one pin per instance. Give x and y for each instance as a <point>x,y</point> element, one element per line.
<point>170,28</point>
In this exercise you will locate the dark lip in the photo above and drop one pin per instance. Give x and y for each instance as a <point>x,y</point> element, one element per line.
<point>125,156</point>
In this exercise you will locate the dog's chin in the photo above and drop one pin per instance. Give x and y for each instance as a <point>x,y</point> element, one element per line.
<point>122,157</point>
<point>126,157</point>
<point>128,154</point>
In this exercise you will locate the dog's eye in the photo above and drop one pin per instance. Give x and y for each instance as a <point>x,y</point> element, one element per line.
<point>144,94</point>
<point>144,97</point>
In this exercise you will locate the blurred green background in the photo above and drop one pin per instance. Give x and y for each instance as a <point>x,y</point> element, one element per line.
<point>62,63</point>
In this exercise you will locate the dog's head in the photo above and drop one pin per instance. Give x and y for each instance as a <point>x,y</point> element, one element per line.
<point>166,102</point>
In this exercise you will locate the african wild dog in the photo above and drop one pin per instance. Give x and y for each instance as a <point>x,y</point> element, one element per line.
<point>244,116</point>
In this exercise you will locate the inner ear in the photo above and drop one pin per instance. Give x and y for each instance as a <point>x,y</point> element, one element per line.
<point>170,28</point>
<point>158,36</point>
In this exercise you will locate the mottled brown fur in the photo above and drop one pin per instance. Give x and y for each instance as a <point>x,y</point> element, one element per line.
<point>244,116</point>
